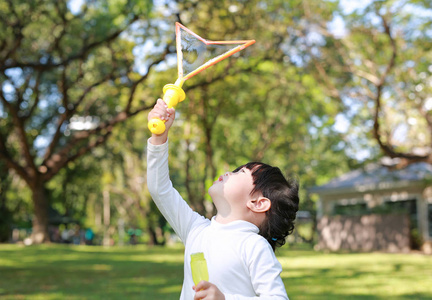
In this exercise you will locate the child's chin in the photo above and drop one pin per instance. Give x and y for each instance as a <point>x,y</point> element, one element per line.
<point>213,189</point>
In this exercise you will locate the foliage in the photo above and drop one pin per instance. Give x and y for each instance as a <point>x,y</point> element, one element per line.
<point>71,191</point>
<point>125,179</point>
<point>272,111</point>
<point>66,81</point>
<point>383,59</point>
<point>278,101</point>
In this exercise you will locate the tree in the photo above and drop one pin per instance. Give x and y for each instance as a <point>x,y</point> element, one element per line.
<point>260,105</point>
<point>380,69</point>
<point>127,181</point>
<point>54,66</point>
<point>63,71</point>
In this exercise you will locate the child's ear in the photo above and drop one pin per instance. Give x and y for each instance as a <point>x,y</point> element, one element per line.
<point>261,204</point>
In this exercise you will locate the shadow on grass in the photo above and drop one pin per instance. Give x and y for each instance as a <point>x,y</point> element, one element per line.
<point>357,276</point>
<point>70,272</point>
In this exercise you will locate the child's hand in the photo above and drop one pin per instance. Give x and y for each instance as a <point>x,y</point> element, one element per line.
<point>161,111</point>
<point>208,291</point>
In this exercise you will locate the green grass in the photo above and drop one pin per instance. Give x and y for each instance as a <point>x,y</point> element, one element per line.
<point>80,272</point>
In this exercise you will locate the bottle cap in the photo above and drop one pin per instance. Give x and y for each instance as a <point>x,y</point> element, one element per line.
<point>197,256</point>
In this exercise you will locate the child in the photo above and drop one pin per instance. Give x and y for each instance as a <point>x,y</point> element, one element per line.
<point>256,208</point>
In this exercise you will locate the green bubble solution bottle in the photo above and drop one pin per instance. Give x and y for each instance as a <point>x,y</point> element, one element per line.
<point>199,267</point>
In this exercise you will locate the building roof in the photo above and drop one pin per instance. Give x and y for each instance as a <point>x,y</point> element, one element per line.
<point>377,177</point>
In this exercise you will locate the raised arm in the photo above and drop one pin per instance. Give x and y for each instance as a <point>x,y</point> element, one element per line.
<point>172,206</point>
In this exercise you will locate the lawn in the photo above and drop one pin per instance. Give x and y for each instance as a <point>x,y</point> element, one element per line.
<point>83,272</point>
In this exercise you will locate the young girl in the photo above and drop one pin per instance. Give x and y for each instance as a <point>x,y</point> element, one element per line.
<point>256,207</point>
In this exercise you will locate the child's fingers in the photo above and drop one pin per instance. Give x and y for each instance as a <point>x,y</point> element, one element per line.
<point>160,107</point>
<point>170,118</point>
<point>155,113</point>
<point>161,114</point>
<point>202,285</point>
<point>159,111</point>
<point>167,115</point>
<point>200,295</point>
<point>207,290</point>
<point>161,103</point>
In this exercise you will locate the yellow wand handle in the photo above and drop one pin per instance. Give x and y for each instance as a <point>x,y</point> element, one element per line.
<point>173,94</point>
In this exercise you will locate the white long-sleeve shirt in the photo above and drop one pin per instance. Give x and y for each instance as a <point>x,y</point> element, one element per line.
<point>240,262</point>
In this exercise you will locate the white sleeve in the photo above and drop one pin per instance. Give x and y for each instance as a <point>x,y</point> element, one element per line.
<point>172,206</point>
<point>264,269</point>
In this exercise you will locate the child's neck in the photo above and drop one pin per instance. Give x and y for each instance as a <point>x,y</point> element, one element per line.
<point>228,218</point>
<point>220,218</point>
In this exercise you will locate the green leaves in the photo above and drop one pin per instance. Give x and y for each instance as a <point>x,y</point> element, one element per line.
<point>276,101</point>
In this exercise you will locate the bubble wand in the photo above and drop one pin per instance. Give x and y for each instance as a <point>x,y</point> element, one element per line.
<point>173,93</point>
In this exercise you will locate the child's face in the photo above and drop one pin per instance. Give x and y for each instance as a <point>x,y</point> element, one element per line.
<point>232,190</point>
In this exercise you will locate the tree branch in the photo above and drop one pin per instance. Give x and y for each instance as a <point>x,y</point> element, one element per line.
<point>21,132</point>
<point>61,161</point>
<point>37,96</point>
<point>57,161</point>
<point>18,36</point>
<point>144,77</point>
<point>12,164</point>
<point>385,147</point>
<point>80,55</point>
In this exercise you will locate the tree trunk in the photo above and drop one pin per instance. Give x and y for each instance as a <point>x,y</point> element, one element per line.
<point>5,213</point>
<point>152,236</point>
<point>40,220</point>
<point>106,218</point>
<point>5,220</point>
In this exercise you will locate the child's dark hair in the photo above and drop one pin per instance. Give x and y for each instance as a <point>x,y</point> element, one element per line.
<point>283,194</point>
